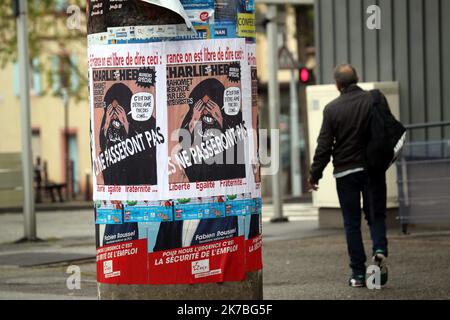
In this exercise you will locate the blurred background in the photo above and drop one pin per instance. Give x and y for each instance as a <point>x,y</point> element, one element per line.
<point>410,48</point>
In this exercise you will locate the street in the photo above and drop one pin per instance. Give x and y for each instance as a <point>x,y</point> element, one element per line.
<point>300,261</point>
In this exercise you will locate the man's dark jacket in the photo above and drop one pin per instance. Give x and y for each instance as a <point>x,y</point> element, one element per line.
<point>344,132</point>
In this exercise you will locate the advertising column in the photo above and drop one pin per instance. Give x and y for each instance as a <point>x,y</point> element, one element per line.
<point>174,123</point>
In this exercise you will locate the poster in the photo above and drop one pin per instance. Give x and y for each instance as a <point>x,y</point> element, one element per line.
<point>104,13</point>
<point>203,240</point>
<point>173,5</point>
<point>186,241</point>
<point>175,146</point>
<point>209,118</point>
<point>234,18</point>
<point>126,135</point>
<point>172,120</point>
<point>208,112</point>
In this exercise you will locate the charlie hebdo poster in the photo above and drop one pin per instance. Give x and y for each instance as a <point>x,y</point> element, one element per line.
<point>126,135</point>
<point>209,118</point>
<point>204,104</point>
<point>172,120</point>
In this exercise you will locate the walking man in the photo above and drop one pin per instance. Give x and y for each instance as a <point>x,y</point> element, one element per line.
<point>344,137</point>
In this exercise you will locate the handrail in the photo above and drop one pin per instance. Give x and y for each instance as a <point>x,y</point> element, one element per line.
<point>427,125</point>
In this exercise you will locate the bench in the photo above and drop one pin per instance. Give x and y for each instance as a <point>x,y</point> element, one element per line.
<point>50,189</point>
<point>11,183</point>
<point>43,184</point>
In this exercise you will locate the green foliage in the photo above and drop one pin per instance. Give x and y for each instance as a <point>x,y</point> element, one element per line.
<point>48,36</point>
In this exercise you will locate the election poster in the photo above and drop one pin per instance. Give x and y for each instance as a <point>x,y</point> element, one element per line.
<point>204,238</point>
<point>121,254</point>
<point>123,263</point>
<point>187,241</point>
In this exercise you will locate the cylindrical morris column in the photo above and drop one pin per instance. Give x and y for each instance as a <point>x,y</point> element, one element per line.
<point>175,149</point>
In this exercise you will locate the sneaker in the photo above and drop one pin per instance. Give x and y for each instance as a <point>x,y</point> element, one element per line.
<point>380,260</point>
<point>357,282</point>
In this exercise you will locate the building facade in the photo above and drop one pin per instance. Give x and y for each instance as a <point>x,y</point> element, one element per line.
<point>411,47</point>
<point>48,109</point>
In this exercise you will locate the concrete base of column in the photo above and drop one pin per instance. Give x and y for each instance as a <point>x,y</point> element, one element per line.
<point>250,289</point>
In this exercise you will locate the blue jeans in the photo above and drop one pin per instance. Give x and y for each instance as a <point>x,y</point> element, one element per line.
<point>373,191</point>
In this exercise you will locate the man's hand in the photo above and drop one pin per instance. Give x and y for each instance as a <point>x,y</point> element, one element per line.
<point>312,185</point>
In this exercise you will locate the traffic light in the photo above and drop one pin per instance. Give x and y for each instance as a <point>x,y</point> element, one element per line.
<point>306,76</point>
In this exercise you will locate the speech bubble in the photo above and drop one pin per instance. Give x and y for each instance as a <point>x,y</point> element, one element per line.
<point>142,105</point>
<point>232,101</point>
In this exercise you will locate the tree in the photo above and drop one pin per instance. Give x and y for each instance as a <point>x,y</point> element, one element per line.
<point>48,37</point>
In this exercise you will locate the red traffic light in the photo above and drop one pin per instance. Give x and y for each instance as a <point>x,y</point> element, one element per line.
<point>306,76</point>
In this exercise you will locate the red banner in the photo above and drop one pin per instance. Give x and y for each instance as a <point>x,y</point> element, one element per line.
<point>123,263</point>
<point>253,251</point>
<point>219,261</point>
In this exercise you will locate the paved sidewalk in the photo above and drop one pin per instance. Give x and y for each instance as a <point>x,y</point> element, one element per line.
<point>316,268</point>
<point>293,211</point>
<point>51,225</point>
<point>300,261</point>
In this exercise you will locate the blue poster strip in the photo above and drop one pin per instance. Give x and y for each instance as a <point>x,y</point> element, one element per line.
<point>240,207</point>
<point>108,216</point>
<point>199,211</point>
<point>191,4</point>
<point>225,30</point>
<point>166,211</point>
<point>136,212</point>
<point>258,203</point>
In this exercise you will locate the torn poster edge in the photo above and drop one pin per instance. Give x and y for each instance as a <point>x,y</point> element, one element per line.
<point>175,6</point>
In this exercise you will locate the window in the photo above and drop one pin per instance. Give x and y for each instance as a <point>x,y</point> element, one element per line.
<point>35,78</point>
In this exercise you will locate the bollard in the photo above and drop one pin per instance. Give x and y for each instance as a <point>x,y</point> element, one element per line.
<point>141,244</point>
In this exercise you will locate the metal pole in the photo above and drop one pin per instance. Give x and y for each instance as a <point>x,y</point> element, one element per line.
<point>27,161</point>
<point>296,174</point>
<point>274,109</point>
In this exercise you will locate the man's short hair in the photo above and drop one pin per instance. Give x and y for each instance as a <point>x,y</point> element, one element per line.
<point>345,75</point>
